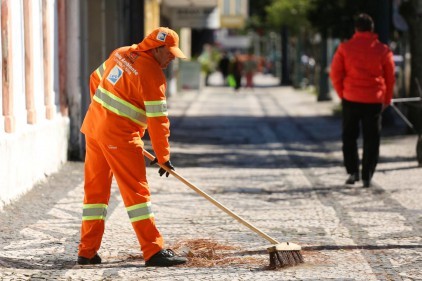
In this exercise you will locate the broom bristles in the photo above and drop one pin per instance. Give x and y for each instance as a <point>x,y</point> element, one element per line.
<point>280,259</point>
<point>285,254</point>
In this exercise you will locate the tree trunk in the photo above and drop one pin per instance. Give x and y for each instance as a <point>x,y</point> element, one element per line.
<point>324,88</point>
<point>285,59</point>
<point>412,12</point>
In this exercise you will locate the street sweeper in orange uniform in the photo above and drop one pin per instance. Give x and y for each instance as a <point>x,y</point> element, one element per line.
<point>127,97</point>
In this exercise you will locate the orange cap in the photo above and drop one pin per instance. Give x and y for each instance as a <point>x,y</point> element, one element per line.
<point>163,36</point>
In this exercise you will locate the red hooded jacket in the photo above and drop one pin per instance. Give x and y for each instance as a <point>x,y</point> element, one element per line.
<point>363,70</point>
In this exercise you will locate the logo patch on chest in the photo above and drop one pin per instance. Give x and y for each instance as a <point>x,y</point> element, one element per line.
<point>115,74</point>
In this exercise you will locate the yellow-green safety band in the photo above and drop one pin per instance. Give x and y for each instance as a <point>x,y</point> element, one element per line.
<point>156,108</point>
<point>140,212</point>
<point>100,70</point>
<point>120,106</point>
<point>94,212</point>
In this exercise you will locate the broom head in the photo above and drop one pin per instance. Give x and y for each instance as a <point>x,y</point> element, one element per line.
<point>284,254</point>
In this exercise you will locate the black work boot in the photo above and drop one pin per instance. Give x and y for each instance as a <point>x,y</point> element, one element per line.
<point>85,261</point>
<point>366,183</point>
<point>352,179</point>
<point>165,257</point>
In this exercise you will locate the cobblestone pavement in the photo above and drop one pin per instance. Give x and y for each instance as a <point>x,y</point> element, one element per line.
<point>271,155</point>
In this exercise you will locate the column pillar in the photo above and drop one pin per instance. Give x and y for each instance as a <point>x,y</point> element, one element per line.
<point>29,69</point>
<point>1,88</point>
<point>7,92</point>
<point>48,89</point>
<point>74,83</point>
<point>61,5</point>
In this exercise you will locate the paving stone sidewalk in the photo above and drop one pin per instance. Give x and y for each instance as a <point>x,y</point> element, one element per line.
<point>273,155</point>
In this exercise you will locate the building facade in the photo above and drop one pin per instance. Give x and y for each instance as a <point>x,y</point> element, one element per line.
<point>34,126</point>
<point>49,49</point>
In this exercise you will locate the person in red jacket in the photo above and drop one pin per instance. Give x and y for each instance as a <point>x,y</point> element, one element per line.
<point>127,97</point>
<point>362,73</point>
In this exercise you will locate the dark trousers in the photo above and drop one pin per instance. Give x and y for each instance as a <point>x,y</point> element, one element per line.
<point>368,116</point>
<point>238,79</point>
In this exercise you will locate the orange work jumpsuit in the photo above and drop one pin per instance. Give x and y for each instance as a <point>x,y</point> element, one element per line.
<point>127,96</point>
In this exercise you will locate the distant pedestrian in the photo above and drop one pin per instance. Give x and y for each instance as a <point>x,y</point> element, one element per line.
<point>127,96</point>
<point>224,67</point>
<point>209,61</point>
<point>362,73</point>
<point>236,69</point>
<point>250,67</point>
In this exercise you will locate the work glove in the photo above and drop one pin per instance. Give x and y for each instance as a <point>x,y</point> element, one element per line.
<point>136,140</point>
<point>162,171</point>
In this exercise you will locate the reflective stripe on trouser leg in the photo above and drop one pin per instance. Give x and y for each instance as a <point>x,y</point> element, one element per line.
<point>97,185</point>
<point>140,212</point>
<point>94,212</point>
<point>128,166</point>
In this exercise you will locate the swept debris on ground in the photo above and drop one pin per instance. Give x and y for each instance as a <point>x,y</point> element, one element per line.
<point>209,253</point>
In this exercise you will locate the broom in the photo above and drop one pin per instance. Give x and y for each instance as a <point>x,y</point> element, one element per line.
<point>281,254</point>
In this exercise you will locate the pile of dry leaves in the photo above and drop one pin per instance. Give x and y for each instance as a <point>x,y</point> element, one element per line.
<point>209,253</point>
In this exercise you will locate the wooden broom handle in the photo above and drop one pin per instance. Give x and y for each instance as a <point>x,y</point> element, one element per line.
<point>212,200</point>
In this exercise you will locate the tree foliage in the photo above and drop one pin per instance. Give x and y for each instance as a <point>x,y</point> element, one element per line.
<point>257,14</point>
<point>290,13</point>
<point>336,17</point>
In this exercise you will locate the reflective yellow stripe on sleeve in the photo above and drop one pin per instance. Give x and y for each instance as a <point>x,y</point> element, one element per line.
<point>120,106</point>
<point>100,70</point>
<point>156,108</point>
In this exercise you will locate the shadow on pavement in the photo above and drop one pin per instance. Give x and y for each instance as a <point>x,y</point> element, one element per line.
<point>340,248</point>
<point>360,247</point>
<point>246,142</point>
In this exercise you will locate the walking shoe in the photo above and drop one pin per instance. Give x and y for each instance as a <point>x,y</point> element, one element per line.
<point>85,261</point>
<point>352,179</point>
<point>366,183</point>
<point>165,257</point>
